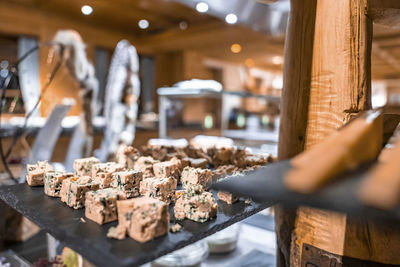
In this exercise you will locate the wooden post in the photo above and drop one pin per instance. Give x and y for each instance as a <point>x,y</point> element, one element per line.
<point>339,60</point>
<point>294,106</point>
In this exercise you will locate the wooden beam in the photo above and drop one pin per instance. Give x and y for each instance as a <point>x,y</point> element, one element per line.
<point>385,12</point>
<point>201,36</point>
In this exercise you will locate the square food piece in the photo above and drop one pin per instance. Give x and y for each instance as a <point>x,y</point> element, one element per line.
<point>149,219</point>
<point>227,197</point>
<point>53,181</point>
<point>128,182</point>
<point>199,176</point>
<point>198,163</point>
<point>83,167</point>
<point>102,173</point>
<point>35,172</point>
<point>166,169</point>
<point>101,205</point>
<point>127,155</point>
<point>197,207</point>
<point>73,190</point>
<point>159,188</point>
<point>145,165</point>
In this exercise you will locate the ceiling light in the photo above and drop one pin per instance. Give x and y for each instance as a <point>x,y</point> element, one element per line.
<point>277,60</point>
<point>236,48</point>
<point>143,24</point>
<point>249,62</point>
<point>231,18</point>
<point>86,10</point>
<point>202,7</point>
<point>183,25</point>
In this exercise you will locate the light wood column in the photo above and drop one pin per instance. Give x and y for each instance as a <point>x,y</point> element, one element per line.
<point>294,106</point>
<point>340,60</point>
<point>340,88</point>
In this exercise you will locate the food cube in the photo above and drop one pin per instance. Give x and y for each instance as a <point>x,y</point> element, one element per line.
<point>198,163</point>
<point>125,208</point>
<point>73,190</point>
<point>197,207</point>
<point>83,167</point>
<point>222,156</point>
<point>53,181</point>
<point>199,176</point>
<point>166,169</point>
<point>149,219</point>
<point>159,188</point>
<point>127,155</point>
<point>145,165</point>
<point>102,173</point>
<point>128,182</point>
<point>101,205</point>
<point>227,197</point>
<point>35,172</point>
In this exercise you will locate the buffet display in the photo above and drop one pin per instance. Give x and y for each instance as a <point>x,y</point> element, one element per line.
<point>139,187</point>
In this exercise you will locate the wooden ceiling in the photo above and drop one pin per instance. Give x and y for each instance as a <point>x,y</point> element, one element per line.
<point>205,33</point>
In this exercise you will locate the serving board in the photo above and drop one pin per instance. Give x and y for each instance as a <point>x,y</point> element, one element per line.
<point>90,240</point>
<point>266,184</point>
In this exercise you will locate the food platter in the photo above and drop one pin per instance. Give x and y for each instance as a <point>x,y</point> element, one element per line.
<point>90,240</point>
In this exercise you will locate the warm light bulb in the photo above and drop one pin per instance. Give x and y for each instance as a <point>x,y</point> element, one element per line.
<point>249,62</point>
<point>236,48</point>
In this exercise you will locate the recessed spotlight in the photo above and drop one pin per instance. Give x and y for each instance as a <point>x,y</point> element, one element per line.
<point>183,25</point>
<point>277,60</point>
<point>202,7</point>
<point>86,10</point>
<point>231,18</point>
<point>236,48</point>
<point>249,62</point>
<point>143,24</point>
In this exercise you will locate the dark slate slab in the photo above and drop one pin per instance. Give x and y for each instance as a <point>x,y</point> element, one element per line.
<point>340,195</point>
<point>89,239</point>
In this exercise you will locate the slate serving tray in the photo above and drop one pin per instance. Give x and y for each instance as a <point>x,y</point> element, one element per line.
<point>89,239</point>
<point>266,184</point>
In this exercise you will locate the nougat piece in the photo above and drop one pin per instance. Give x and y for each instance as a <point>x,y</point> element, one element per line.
<point>221,156</point>
<point>128,182</point>
<point>225,170</point>
<point>159,188</point>
<point>198,163</point>
<point>127,155</point>
<point>199,176</point>
<point>118,232</point>
<point>145,165</point>
<point>102,173</point>
<point>36,172</point>
<point>149,219</point>
<point>197,207</point>
<point>101,205</point>
<point>83,167</point>
<point>166,169</point>
<point>53,181</point>
<point>227,197</point>
<point>254,160</point>
<point>185,162</point>
<point>73,190</point>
